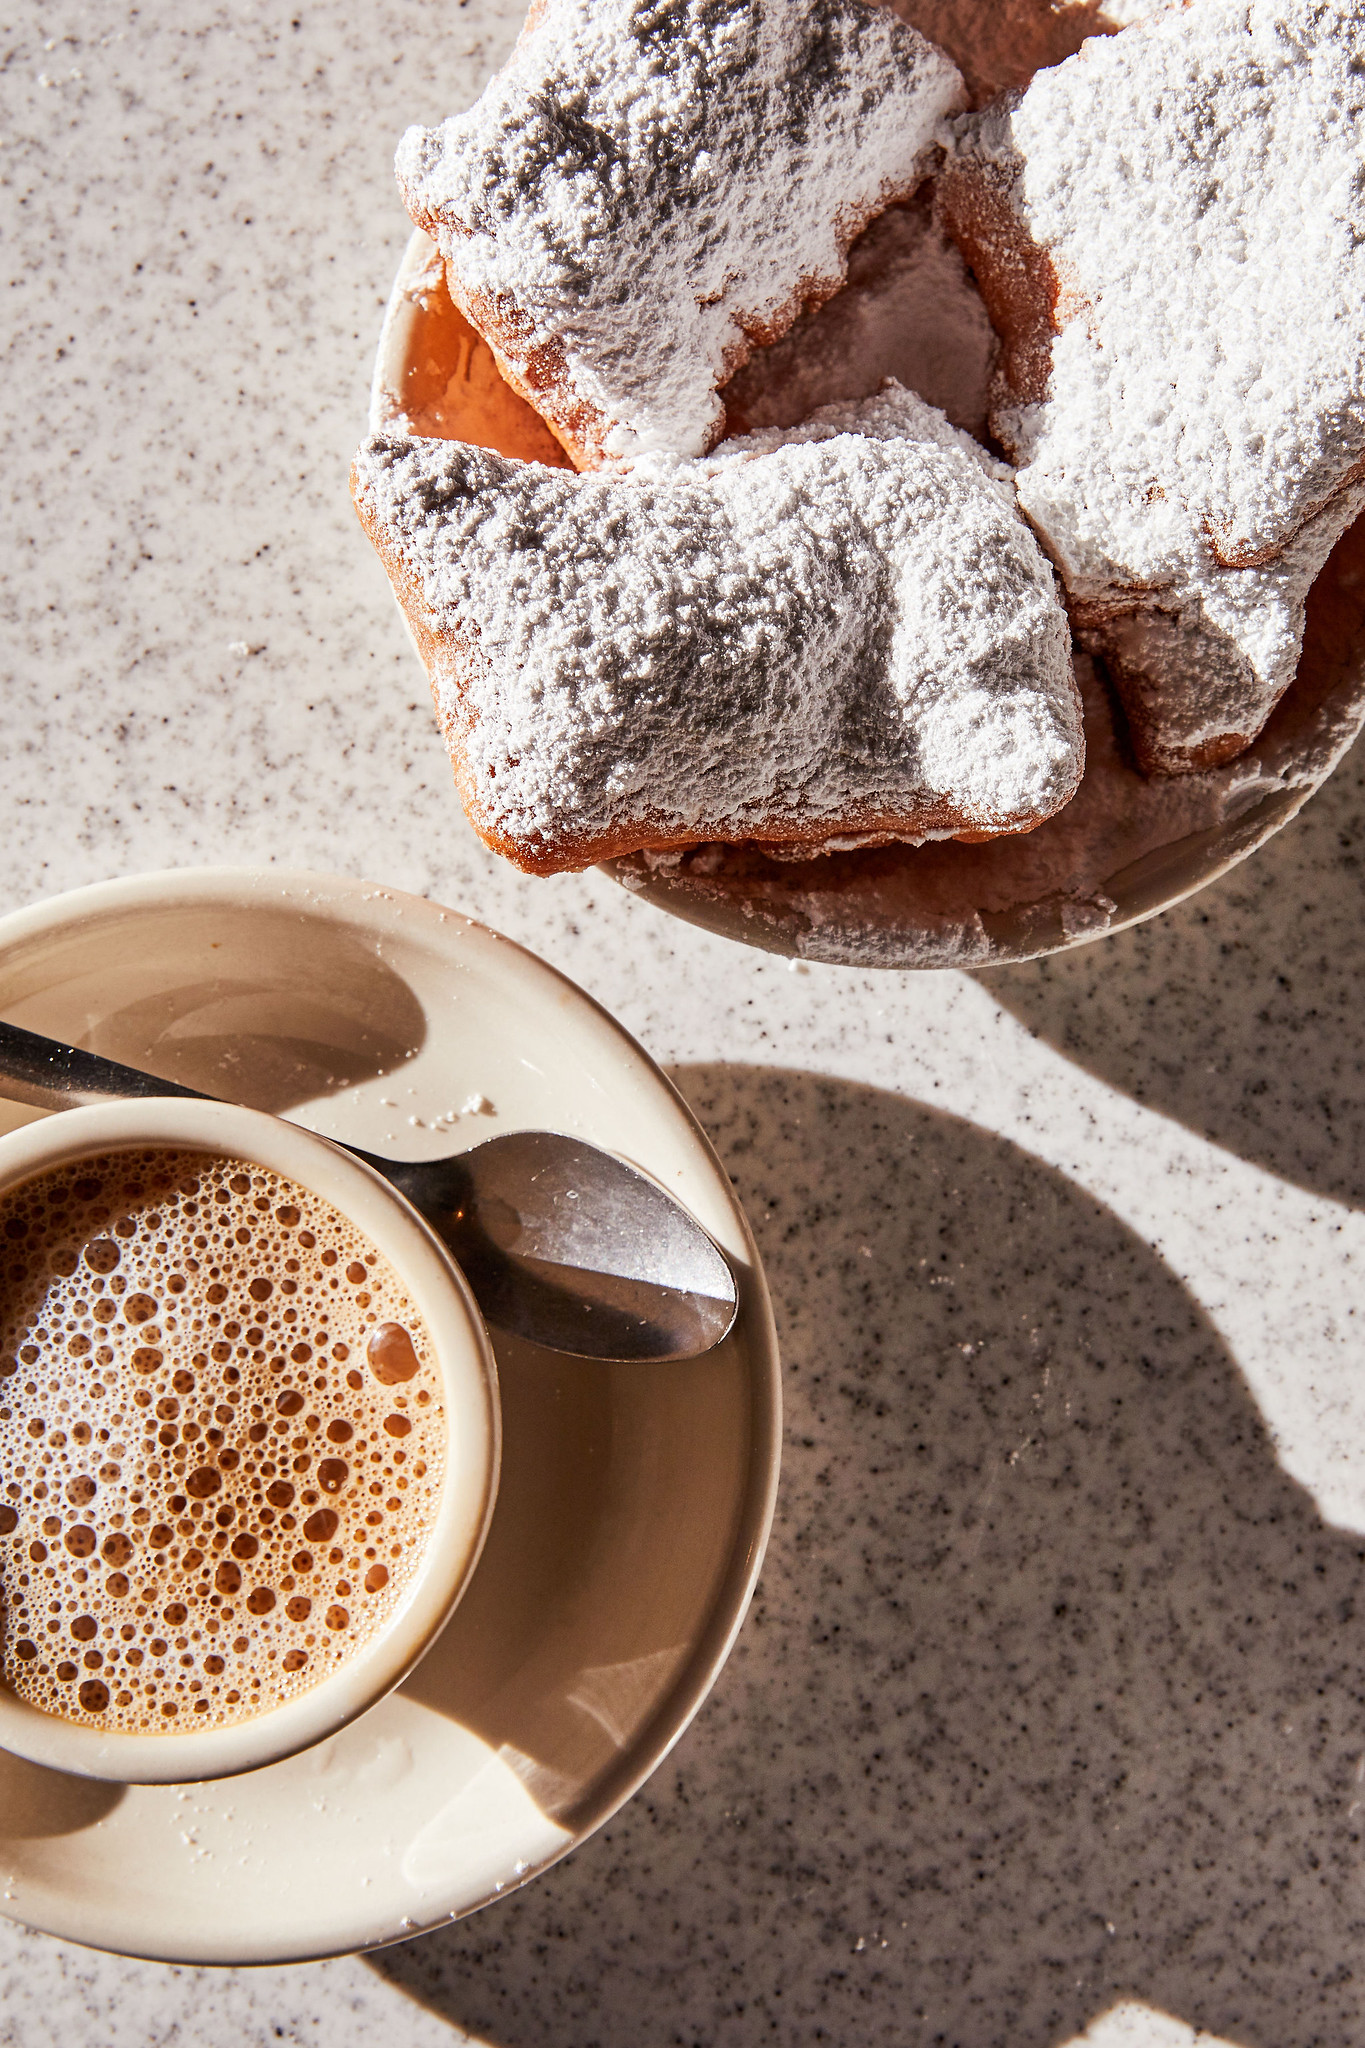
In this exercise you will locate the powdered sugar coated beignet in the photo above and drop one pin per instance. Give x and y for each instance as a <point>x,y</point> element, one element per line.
<point>842,631</point>
<point>1169,229</point>
<point>649,187</point>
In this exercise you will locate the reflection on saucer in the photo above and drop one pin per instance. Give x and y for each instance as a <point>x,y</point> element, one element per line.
<point>484,1838</point>
<point>615,1524</point>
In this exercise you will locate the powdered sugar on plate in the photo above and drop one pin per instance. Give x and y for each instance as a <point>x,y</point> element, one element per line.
<point>842,630</point>
<point>1189,453</point>
<point>650,185</point>
<point>909,311</point>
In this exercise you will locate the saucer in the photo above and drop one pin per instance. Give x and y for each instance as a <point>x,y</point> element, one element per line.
<point>1126,847</point>
<point>635,1500</point>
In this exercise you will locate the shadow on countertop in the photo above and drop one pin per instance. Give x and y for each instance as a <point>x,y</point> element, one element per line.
<point>1242,1012</point>
<point>1054,1688</point>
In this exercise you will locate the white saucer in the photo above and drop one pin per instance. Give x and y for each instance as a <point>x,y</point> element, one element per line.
<point>635,1500</point>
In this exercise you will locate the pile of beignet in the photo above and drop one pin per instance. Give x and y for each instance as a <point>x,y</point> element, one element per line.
<point>859,628</point>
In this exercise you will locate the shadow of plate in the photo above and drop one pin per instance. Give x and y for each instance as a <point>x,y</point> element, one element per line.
<point>1238,1013</point>
<point>1054,1688</point>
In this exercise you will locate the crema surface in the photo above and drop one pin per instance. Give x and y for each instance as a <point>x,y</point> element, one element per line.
<point>222,1440</point>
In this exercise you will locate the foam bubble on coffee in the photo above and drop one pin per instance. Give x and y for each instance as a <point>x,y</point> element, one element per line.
<point>222,1441</point>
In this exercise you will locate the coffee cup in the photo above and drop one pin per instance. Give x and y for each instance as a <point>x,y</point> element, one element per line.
<point>249,1437</point>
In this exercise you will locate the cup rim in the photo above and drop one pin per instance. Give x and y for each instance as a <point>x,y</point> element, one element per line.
<point>464,1356</point>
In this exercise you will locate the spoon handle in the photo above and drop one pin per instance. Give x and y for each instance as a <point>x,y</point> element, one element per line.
<point>49,1075</point>
<point>580,1278</point>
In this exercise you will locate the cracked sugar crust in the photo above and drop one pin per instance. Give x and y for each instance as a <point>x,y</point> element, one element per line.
<point>845,631</point>
<point>1169,229</point>
<point>650,187</point>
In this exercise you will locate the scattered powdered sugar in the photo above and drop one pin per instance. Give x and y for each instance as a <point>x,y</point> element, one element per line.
<point>909,311</point>
<point>650,185</point>
<point>842,630</point>
<point>1195,183</point>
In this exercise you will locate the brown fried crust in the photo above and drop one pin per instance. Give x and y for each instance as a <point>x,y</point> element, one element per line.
<point>1152,752</point>
<point>997,44</point>
<point>1230,553</point>
<point>1028,294</point>
<point>538,370</point>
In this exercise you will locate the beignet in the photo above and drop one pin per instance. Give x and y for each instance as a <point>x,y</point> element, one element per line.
<point>647,190</point>
<point>1169,230</point>
<point>843,631</point>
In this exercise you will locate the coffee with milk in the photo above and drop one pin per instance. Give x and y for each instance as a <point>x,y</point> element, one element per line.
<point>222,1441</point>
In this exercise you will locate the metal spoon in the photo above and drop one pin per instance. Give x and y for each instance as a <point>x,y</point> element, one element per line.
<point>559,1242</point>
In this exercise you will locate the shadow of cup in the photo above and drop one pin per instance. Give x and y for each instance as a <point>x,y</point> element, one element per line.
<point>36,1803</point>
<point>614,1533</point>
<point>260,1006</point>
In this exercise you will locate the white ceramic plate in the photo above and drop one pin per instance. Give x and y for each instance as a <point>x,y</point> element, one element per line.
<point>635,1500</point>
<point>1125,848</point>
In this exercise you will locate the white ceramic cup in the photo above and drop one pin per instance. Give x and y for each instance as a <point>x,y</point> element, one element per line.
<point>459,1345</point>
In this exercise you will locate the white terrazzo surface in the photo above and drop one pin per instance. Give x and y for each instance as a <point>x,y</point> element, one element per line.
<point>1049,1723</point>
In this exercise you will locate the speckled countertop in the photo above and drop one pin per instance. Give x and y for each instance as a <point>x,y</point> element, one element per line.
<point>1049,1721</point>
